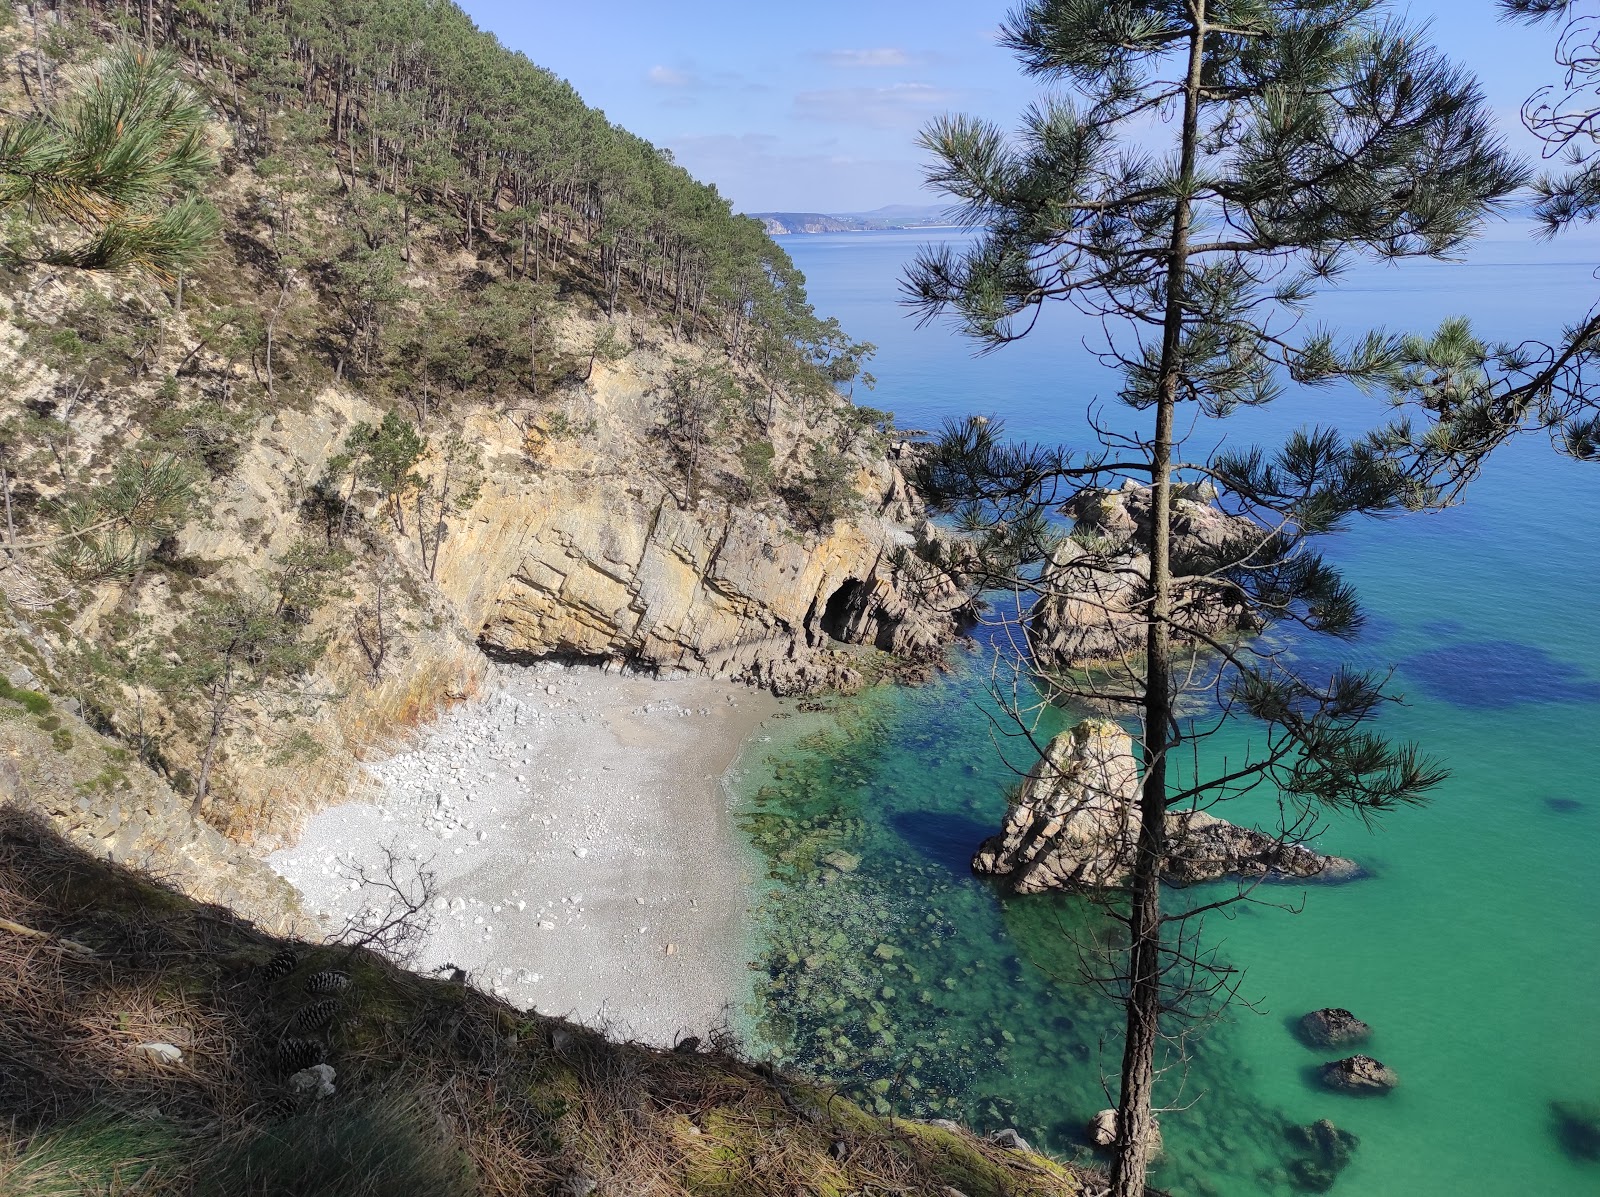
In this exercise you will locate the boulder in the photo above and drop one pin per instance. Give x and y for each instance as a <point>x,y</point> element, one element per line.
<point>1333,1027</point>
<point>1358,1074</point>
<point>1094,584</point>
<point>1010,1139</point>
<point>1102,1131</point>
<point>1074,823</point>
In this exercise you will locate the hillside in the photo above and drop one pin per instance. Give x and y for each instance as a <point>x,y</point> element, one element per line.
<point>465,369</point>
<point>157,1046</point>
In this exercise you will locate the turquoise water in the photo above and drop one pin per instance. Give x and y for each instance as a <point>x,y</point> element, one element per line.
<point>1472,948</point>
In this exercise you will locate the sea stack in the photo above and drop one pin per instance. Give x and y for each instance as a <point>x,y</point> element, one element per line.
<point>1074,823</point>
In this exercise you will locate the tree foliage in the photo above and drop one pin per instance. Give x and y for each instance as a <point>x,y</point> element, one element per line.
<point>1290,139</point>
<point>122,161</point>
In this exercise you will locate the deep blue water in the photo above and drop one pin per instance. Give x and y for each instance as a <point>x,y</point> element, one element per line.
<point>1472,947</point>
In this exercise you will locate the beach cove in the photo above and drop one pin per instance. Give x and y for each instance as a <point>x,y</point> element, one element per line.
<point>587,864</point>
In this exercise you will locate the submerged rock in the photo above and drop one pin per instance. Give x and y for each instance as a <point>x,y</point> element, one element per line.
<point>1577,1128</point>
<point>1358,1074</point>
<point>1333,1027</point>
<point>1075,821</point>
<point>1330,1150</point>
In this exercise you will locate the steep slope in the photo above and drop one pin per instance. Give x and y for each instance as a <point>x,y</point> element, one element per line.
<point>430,395</point>
<point>154,1045</point>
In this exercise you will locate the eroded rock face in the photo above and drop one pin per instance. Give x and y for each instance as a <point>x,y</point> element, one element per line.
<point>1089,615</point>
<point>1358,1074</point>
<point>631,578</point>
<point>1075,823</point>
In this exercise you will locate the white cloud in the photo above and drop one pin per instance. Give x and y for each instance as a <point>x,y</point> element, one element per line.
<point>899,105</point>
<point>664,76</point>
<point>885,57</point>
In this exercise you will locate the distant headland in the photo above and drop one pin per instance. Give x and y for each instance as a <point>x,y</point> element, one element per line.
<point>892,216</point>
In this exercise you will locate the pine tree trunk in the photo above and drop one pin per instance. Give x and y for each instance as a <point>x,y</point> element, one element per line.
<point>1135,1119</point>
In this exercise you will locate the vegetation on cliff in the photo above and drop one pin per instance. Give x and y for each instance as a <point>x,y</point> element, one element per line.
<point>437,280</point>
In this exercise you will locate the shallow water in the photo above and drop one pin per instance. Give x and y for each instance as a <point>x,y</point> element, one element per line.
<point>1471,948</point>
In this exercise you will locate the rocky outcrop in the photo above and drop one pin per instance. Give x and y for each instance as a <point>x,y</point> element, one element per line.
<point>60,773</point>
<point>629,577</point>
<point>1333,1027</point>
<point>1358,1074</point>
<point>1075,821</point>
<point>1088,613</point>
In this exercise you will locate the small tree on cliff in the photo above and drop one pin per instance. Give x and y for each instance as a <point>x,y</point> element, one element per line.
<point>1214,161</point>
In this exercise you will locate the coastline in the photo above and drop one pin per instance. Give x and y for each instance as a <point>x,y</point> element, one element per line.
<point>585,855</point>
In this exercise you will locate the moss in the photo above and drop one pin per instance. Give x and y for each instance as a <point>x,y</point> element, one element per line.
<point>29,700</point>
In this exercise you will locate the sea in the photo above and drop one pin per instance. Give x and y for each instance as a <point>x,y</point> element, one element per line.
<point>1472,947</point>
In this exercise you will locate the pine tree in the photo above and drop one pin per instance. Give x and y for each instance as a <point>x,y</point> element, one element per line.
<point>1208,163</point>
<point>1473,395</point>
<point>122,162</point>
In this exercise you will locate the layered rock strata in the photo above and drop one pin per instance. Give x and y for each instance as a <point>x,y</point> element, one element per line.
<point>1074,824</point>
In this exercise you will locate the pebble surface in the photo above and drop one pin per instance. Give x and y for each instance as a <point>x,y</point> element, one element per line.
<point>578,827</point>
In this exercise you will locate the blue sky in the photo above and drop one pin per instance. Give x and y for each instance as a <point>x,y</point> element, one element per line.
<point>815,107</point>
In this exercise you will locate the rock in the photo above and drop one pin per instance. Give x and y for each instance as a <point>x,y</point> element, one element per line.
<point>945,1124</point>
<point>1009,1138</point>
<point>1333,1027</point>
<point>1577,1128</point>
<point>313,1082</point>
<point>1074,823</point>
<point>160,1053</point>
<point>1103,1130</point>
<point>1328,1145</point>
<point>845,862</point>
<point>1088,613</point>
<point>1358,1074</point>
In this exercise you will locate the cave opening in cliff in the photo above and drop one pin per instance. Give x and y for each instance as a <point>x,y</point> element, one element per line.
<point>836,614</point>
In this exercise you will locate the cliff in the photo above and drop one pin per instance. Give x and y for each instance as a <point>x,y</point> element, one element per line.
<point>399,434</point>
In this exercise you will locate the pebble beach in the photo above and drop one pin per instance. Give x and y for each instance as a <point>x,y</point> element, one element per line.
<point>583,852</point>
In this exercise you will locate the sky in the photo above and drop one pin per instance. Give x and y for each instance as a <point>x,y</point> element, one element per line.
<point>815,107</point>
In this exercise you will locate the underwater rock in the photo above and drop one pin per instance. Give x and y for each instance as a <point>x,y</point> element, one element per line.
<point>1074,823</point>
<point>1333,1027</point>
<point>1577,1128</point>
<point>1358,1074</point>
<point>1325,1141</point>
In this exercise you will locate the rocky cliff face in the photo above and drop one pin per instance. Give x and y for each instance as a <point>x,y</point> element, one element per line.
<point>1075,821</point>
<point>582,544</point>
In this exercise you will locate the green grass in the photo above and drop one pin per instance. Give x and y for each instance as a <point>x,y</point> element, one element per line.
<point>29,700</point>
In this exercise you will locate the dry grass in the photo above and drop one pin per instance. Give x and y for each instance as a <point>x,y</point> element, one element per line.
<point>440,1089</point>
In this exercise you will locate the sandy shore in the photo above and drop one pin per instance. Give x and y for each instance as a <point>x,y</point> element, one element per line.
<point>585,857</point>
